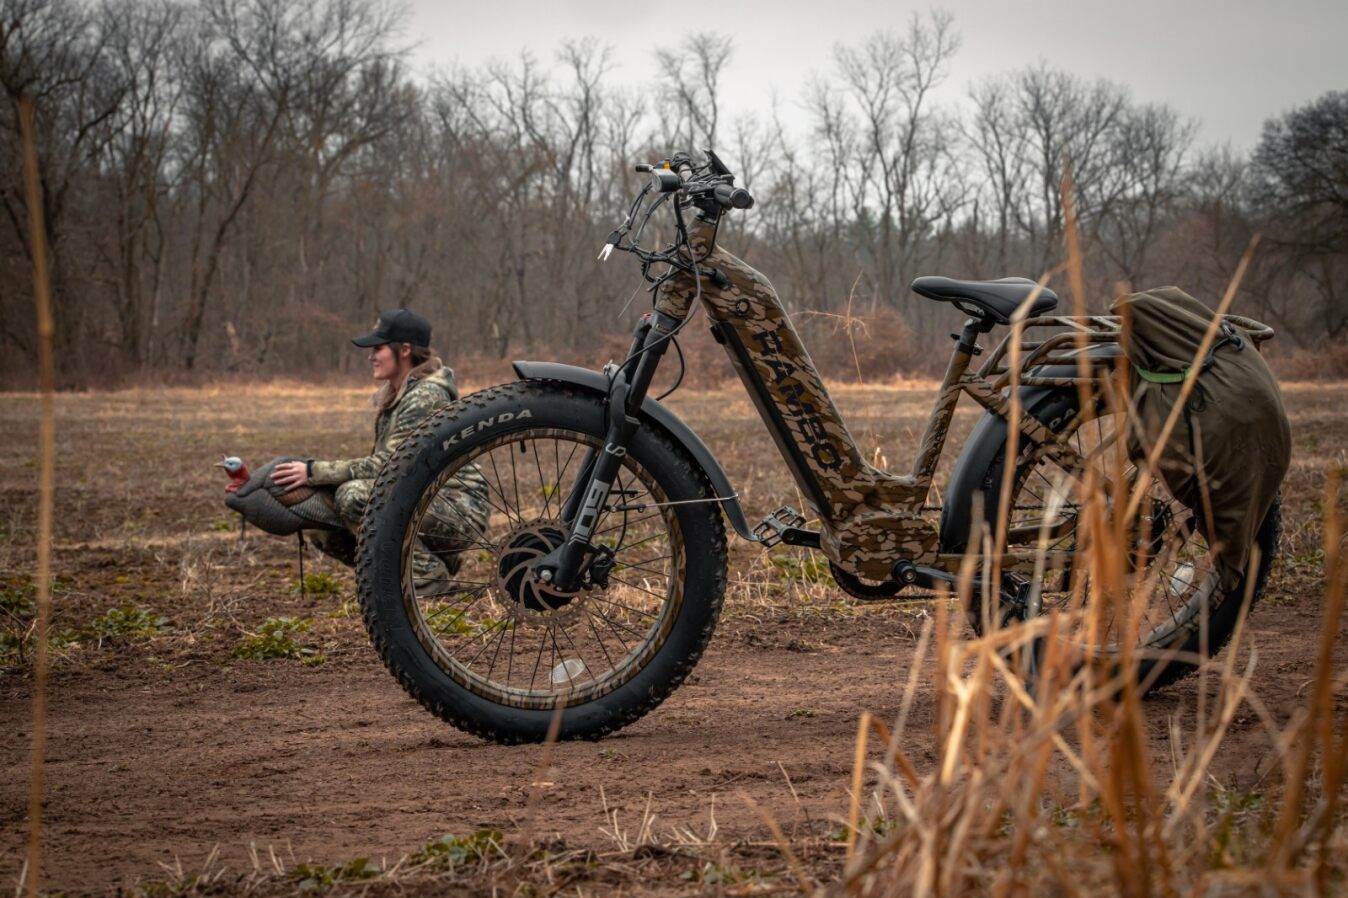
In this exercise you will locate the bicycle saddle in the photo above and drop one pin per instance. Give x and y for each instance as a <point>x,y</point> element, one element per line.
<point>997,300</point>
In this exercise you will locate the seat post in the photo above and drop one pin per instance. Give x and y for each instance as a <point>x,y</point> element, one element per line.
<point>933,437</point>
<point>967,339</point>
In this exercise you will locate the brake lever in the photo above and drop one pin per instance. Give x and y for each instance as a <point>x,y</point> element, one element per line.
<point>614,239</point>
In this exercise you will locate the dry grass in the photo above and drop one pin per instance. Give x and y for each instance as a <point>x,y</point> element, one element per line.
<point>1002,795</point>
<point>1017,794</point>
<point>990,818</point>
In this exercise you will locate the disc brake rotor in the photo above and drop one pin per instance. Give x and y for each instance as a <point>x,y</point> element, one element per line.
<point>528,597</point>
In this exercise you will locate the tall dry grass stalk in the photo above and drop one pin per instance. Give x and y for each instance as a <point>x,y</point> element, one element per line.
<point>1046,782</point>
<point>1019,800</point>
<point>46,486</point>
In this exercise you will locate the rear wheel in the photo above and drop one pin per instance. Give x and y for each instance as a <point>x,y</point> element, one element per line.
<point>1166,601</point>
<point>496,650</point>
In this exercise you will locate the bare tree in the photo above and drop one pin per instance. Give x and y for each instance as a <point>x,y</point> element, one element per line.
<point>52,53</point>
<point>690,89</point>
<point>906,180</point>
<point>230,135</point>
<point>141,45</point>
<point>998,140</point>
<point>1067,121</point>
<point>235,184</point>
<point>1150,148</point>
<point>1300,175</point>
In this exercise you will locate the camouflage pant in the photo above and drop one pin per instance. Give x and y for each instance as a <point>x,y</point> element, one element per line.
<point>455,520</point>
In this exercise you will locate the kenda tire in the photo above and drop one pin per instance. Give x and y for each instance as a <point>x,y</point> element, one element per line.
<point>468,424</point>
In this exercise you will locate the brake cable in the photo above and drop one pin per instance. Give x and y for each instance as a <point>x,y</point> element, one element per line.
<point>681,256</point>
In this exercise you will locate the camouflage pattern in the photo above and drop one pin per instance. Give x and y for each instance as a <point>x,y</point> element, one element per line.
<point>455,520</point>
<point>871,517</point>
<point>341,544</point>
<point>427,388</point>
<point>456,515</point>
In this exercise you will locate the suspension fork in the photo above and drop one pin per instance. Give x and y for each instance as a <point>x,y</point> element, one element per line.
<point>582,479</point>
<point>591,488</point>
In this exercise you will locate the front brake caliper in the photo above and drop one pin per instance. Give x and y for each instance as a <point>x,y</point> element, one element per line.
<point>600,566</point>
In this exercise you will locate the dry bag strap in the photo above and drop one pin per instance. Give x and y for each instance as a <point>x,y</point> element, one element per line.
<point>1229,336</point>
<point>1161,377</point>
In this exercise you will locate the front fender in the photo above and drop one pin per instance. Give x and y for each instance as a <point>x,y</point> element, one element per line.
<point>596,382</point>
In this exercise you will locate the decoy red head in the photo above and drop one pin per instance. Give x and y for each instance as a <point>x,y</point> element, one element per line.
<point>237,471</point>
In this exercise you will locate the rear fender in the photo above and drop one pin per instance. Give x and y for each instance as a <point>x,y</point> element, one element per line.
<point>596,382</point>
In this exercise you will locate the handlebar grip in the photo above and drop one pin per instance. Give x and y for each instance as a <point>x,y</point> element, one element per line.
<point>733,197</point>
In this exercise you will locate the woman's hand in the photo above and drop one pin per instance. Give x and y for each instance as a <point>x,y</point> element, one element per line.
<point>290,474</point>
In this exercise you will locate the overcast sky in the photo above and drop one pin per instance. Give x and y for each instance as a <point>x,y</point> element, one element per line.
<point>1230,64</point>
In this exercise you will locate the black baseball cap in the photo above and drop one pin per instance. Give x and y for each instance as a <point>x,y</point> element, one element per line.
<point>397,326</point>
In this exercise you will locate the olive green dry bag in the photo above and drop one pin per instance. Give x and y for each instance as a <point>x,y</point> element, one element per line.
<point>1231,441</point>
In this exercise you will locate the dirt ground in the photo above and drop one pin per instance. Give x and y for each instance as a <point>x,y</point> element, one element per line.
<point>168,752</point>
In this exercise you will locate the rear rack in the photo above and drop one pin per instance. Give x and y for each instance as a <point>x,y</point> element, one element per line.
<point>1038,353</point>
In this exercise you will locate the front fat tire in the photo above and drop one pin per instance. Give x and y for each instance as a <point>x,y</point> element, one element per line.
<point>458,429</point>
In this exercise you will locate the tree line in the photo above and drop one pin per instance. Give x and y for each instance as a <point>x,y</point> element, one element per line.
<point>237,185</point>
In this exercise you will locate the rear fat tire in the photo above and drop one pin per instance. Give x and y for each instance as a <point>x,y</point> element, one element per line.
<point>427,452</point>
<point>1055,411</point>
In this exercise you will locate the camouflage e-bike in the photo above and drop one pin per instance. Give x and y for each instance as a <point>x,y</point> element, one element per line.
<point>597,582</point>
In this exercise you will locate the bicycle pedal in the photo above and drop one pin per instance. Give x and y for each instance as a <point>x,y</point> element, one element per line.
<point>771,529</point>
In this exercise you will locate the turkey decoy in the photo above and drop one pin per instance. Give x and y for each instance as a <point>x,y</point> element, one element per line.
<point>275,509</point>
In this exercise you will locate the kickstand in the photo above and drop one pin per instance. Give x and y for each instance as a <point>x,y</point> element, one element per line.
<point>299,534</point>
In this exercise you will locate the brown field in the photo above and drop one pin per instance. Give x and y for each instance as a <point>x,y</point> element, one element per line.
<point>170,757</point>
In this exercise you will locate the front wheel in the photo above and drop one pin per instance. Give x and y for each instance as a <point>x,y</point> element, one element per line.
<point>483,487</point>
<point>1174,609</point>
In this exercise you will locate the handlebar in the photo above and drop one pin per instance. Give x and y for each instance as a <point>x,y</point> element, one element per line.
<point>708,187</point>
<point>677,175</point>
<point>732,197</point>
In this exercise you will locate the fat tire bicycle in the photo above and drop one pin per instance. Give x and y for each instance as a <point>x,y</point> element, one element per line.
<point>596,582</point>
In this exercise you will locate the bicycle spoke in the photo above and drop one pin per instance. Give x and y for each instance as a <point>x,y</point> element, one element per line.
<point>475,595</point>
<point>498,627</point>
<point>614,602</point>
<point>538,465</point>
<point>628,566</point>
<point>510,658</point>
<point>644,560</point>
<point>643,542</point>
<point>500,491</point>
<point>500,641</point>
<point>589,618</point>
<point>634,586</point>
<point>537,661</point>
<point>627,525</point>
<point>515,480</point>
<point>508,641</point>
<point>1158,593</point>
<point>615,626</point>
<point>481,543</point>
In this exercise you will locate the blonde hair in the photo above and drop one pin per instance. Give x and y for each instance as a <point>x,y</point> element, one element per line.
<point>421,357</point>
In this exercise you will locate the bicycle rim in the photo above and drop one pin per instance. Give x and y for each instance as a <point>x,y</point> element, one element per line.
<point>494,628</point>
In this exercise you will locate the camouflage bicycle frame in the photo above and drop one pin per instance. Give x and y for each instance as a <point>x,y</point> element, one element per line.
<point>869,518</point>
